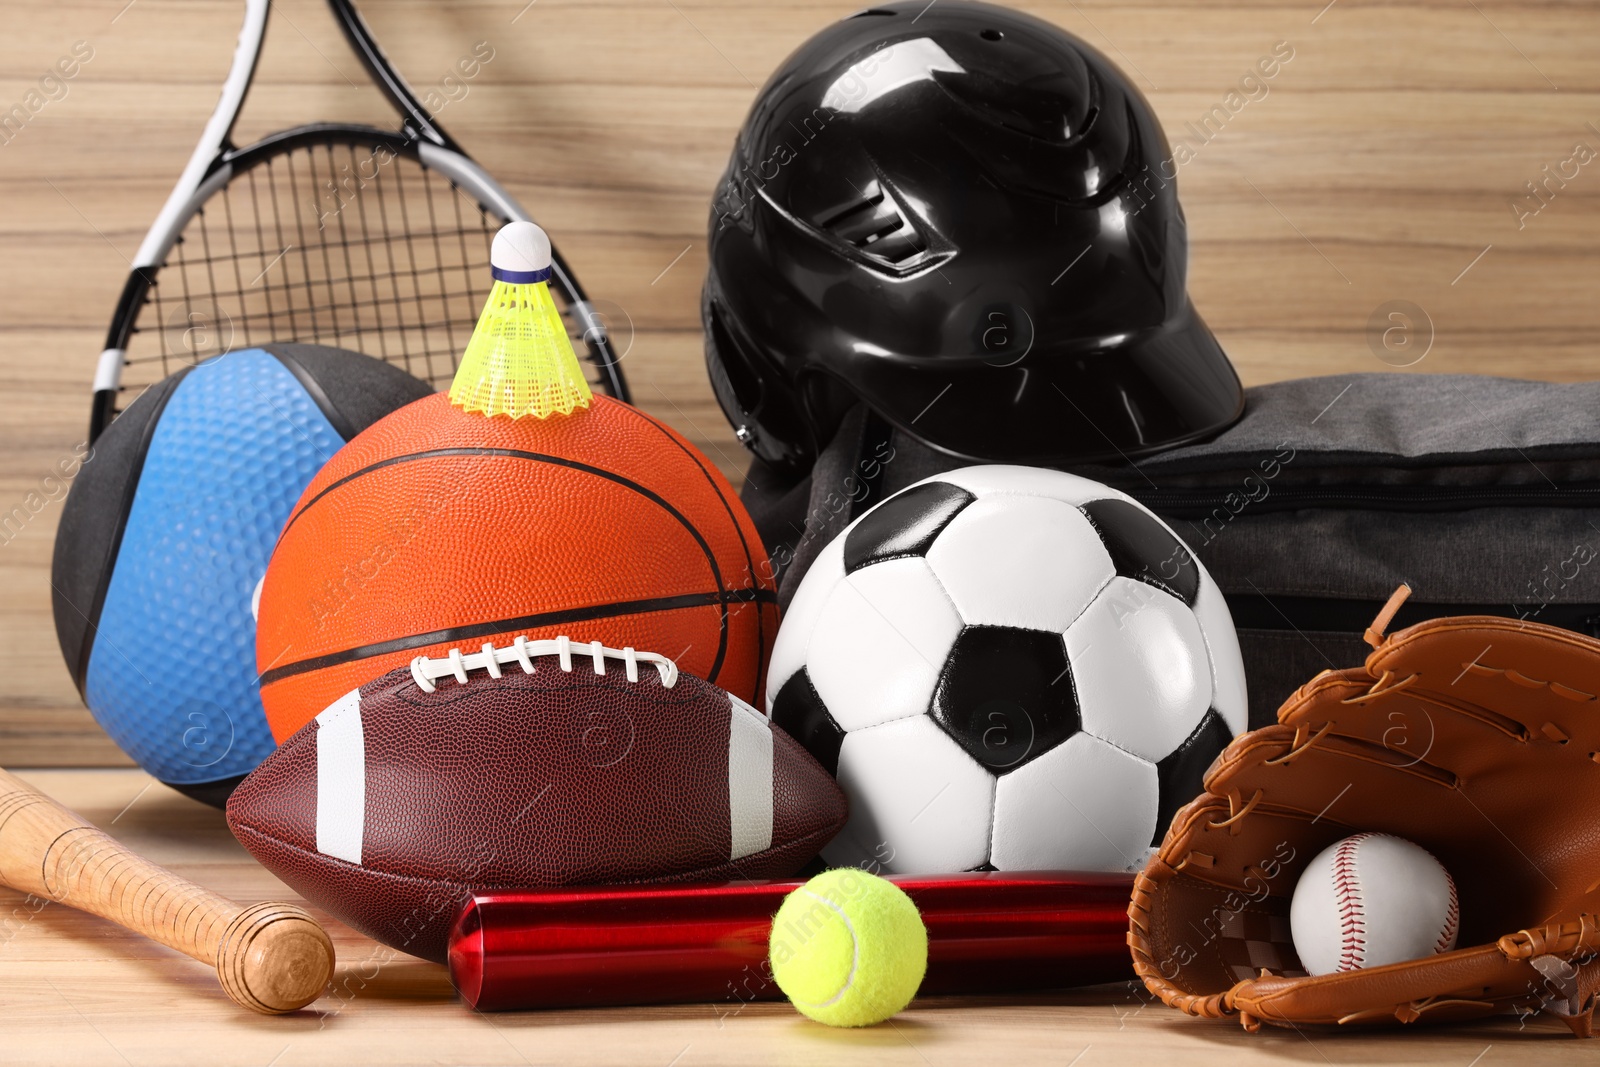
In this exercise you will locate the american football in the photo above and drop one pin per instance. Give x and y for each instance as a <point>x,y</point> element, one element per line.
<point>539,763</point>
<point>1008,668</point>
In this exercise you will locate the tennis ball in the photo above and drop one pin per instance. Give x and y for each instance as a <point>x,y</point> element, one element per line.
<point>848,948</point>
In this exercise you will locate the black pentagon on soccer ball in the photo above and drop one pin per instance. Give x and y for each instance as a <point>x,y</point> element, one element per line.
<point>1143,549</point>
<point>1181,776</point>
<point>1006,695</point>
<point>798,709</point>
<point>904,525</point>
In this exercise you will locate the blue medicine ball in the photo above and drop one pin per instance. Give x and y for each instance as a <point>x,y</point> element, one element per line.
<point>165,537</point>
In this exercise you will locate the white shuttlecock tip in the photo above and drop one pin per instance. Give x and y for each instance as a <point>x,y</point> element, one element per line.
<point>520,248</point>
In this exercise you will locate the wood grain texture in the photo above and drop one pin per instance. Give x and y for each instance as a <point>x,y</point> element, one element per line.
<point>270,957</point>
<point>1382,163</point>
<point>81,991</point>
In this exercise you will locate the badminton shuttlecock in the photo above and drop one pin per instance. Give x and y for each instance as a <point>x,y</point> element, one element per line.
<point>520,360</point>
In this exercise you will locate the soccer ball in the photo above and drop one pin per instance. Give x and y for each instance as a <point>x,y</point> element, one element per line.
<point>1008,668</point>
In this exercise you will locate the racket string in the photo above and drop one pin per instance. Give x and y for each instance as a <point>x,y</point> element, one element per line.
<point>372,270</point>
<point>350,248</point>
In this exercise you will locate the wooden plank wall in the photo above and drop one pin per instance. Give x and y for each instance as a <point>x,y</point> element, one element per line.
<point>1384,162</point>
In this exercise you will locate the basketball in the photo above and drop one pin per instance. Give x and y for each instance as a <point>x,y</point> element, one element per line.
<point>438,529</point>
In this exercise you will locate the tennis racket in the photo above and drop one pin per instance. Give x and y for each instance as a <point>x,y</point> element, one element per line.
<point>347,235</point>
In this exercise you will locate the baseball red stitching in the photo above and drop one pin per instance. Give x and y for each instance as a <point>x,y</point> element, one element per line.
<point>1347,891</point>
<point>1452,919</point>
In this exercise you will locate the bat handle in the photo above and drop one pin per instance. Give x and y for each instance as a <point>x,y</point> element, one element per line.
<point>271,958</point>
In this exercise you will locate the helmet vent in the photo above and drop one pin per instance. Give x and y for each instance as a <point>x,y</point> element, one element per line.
<point>875,227</point>
<point>1087,124</point>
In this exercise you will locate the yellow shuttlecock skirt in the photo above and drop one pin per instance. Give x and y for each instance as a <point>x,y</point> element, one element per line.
<point>520,360</point>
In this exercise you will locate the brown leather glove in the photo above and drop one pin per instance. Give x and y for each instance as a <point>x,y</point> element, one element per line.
<point>1478,738</point>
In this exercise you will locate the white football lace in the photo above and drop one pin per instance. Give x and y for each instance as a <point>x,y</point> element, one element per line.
<point>426,671</point>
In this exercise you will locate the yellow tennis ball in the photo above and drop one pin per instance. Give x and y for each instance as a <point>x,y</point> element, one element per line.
<point>848,948</point>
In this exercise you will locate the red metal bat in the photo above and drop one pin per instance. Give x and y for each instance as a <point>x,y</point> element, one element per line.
<point>610,945</point>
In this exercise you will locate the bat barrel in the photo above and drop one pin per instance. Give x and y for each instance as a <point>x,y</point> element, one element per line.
<point>680,943</point>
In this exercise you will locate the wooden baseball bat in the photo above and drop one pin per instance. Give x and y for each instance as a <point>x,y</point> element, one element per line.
<point>271,958</point>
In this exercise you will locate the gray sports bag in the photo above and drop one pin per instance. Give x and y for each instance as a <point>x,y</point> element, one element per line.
<point>1483,494</point>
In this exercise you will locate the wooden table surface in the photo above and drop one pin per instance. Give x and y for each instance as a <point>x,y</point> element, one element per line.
<point>77,990</point>
<point>1389,160</point>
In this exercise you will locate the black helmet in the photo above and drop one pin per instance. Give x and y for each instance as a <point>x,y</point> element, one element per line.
<point>965,217</point>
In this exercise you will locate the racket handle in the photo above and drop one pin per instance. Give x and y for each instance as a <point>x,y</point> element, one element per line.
<point>271,958</point>
<point>987,932</point>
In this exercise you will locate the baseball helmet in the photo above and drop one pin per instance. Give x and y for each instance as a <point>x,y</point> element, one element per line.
<point>966,218</point>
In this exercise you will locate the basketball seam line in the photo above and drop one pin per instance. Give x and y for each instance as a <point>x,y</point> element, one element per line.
<point>749,561</point>
<point>571,464</point>
<point>512,453</point>
<point>485,629</point>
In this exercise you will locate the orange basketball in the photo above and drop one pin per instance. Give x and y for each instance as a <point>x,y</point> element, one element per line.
<point>436,529</point>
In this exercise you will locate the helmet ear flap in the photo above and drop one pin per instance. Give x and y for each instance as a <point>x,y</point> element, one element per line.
<point>763,418</point>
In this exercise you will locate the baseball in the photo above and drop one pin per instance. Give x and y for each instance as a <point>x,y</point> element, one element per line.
<point>1369,900</point>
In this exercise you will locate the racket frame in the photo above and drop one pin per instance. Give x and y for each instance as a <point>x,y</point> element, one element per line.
<point>216,160</point>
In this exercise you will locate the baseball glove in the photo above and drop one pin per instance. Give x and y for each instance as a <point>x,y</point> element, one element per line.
<point>1478,738</point>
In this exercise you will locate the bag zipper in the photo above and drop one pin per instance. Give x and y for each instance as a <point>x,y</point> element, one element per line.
<point>1257,611</point>
<point>1201,503</point>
